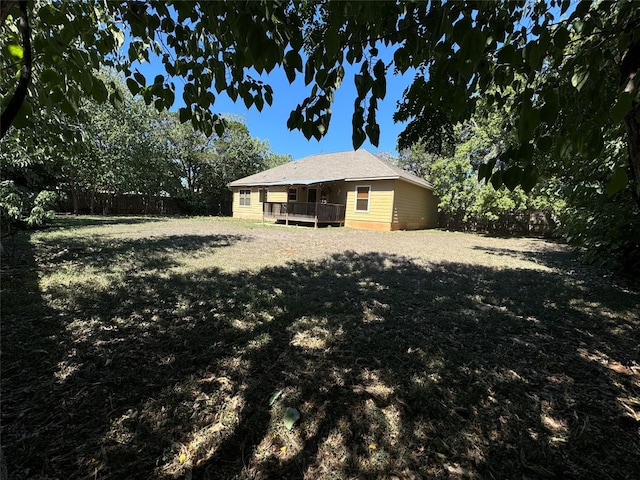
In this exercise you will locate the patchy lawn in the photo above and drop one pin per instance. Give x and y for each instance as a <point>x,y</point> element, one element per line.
<point>171,348</point>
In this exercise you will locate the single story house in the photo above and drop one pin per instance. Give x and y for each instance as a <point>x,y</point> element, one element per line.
<point>353,188</point>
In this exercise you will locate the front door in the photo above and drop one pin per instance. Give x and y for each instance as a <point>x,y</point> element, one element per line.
<point>312,195</point>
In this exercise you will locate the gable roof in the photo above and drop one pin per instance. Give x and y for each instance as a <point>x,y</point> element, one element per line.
<point>350,166</point>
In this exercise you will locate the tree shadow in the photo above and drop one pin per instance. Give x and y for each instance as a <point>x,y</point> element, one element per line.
<point>101,251</point>
<point>80,221</point>
<point>399,370</point>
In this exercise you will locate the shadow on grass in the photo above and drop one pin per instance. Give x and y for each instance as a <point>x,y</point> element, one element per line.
<point>398,370</point>
<point>79,221</point>
<point>560,258</point>
<point>138,254</point>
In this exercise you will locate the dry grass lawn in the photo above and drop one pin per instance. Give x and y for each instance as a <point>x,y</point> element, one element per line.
<point>171,348</point>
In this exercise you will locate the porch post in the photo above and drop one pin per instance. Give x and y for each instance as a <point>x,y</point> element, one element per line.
<point>286,213</point>
<point>318,190</point>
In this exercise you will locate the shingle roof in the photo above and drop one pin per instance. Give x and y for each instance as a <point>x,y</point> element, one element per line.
<point>358,165</point>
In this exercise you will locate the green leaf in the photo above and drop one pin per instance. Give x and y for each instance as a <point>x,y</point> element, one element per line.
<point>379,70</point>
<point>527,124</point>
<point>459,104</point>
<point>295,119</point>
<point>545,143</point>
<point>184,114</point>
<point>511,177</point>
<point>529,178</point>
<point>134,88</point>
<point>292,62</point>
<point>22,118</point>
<point>401,59</point>
<point>51,77</point>
<point>485,170</point>
<point>496,179</point>
<point>219,125</point>
<point>508,55</point>
<point>561,37</point>
<point>465,68</point>
<point>69,107</point>
<point>622,107</point>
<point>331,43</point>
<point>373,131</point>
<point>618,181</point>
<point>579,78</point>
<point>15,51</point>
<point>100,92</point>
<point>274,397</point>
<point>358,137</point>
<point>551,107</point>
<point>140,78</point>
<point>473,45</point>
<point>291,416</point>
<point>309,72</point>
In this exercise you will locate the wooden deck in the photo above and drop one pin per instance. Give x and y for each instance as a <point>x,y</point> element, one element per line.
<point>316,213</point>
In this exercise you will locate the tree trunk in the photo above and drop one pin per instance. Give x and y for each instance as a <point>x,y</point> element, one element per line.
<point>74,198</point>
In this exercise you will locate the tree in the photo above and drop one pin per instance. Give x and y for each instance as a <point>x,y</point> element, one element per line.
<point>206,165</point>
<point>460,51</point>
<point>417,159</point>
<point>122,149</point>
<point>465,202</point>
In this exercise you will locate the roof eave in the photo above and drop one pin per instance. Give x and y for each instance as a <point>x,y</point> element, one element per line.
<point>417,181</point>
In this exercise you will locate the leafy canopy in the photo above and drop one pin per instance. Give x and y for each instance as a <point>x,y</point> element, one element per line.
<point>460,51</point>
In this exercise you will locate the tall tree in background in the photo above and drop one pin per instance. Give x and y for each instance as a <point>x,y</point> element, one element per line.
<point>206,165</point>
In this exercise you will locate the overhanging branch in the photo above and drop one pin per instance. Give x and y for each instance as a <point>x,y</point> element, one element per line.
<point>10,113</point>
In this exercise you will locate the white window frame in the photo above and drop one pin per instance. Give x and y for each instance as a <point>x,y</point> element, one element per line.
<point>289,194</point>
<point>243,197</point>
<point>368,187</point>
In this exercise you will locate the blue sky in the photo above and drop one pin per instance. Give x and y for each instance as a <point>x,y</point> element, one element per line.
<point>271,123</point>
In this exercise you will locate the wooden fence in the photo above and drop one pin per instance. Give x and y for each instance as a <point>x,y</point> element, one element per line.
<point>523,223</point>
<point>112,204</point>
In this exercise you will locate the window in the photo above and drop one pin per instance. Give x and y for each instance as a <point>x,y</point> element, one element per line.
<point>245,198</point>
<point>262,195</point>
<point>362,199</point>
<point>293,194</point>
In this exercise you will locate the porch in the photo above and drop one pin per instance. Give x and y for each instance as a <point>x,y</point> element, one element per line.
<point>311,212</point>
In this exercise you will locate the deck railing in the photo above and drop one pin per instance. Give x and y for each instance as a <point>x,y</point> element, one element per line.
<point>316,213</point>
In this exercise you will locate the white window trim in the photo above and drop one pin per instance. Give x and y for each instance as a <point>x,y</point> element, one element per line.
<point>368,199</point>
<point>288,193</point>
<point>240,190</point>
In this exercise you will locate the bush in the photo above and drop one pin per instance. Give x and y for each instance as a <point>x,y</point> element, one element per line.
<point>192,203</point>
<point>21,208</point>
<point>607,229</point>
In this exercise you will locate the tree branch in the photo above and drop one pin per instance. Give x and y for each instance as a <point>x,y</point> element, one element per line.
<point>11,111</point>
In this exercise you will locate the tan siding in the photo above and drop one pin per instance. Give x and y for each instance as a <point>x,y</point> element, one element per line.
<point>253,211</point>
<point>414,207</point>
<point>277,194</point>
<point>380,204</point>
